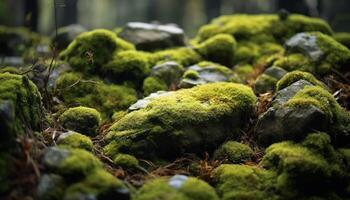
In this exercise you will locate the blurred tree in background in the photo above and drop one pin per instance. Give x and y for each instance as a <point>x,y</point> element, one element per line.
<point>189,14</point>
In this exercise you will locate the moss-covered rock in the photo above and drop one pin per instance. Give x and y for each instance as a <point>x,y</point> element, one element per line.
<point>98,185</point>
<point>244,182</point>
<point>50,187</point>
<point>313,168</point>
<point>126,161</point>
<point>185,56</point>
<point>20,106</point>
<point>219,48</point>
<point>205,72</point>
<point>77,90</point>
<point>127,66</point>
<point>153,84</point>
<point>311,108</point>
<point>189,120</point>
<point>75,140</point>
<point>178,187</point>
<point>91,50</point>
<point>73,164</point>
<point>234,152</point>
<point>170,72</point>
<point>81,119</point>
<point>314,52</point>
<point>295,76</point>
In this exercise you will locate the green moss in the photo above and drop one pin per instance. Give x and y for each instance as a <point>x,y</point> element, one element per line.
<point>188,120</point>
<point>335,55</point>
<point>76,140</point>
<point>294,76</point>
<point>127,66</point>
<point>81,119</point>
<point>295,61</point>
<point>163,188</point>
<point>118,115</point>
<point>11,70</point>
<point>234,152</point>
<point>262,28</point>
<point>244,182</point>
<point>91,50</point>
<point>98,184</point>
<point>76,90</point>
<point>20,101</point>
<point>185,56</point>
<point>313,168</point>
<point>126,161</point>
<point>219,49</point>
<point>153,84</point>
<point>343,38</point>
<point>191,74</point>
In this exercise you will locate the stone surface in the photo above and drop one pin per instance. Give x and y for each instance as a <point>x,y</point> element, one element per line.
<point>170,72</point>
<point>150,37</point>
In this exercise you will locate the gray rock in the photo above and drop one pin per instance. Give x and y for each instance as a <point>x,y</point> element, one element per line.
<point>54,156</point>
<point>275,72</point>
<point>206,74</point>
<point>150,37</point>
<point>170,72</point>
<point>305,43</point>
<point>285,94</point>
<point>65,35</point>
<point>50,187</point>
<point>286,123</point>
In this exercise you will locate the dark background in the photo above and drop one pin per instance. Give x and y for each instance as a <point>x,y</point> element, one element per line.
<point>189,14</point>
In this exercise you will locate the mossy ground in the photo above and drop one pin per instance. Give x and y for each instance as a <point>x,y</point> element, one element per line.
<point>205,132</point>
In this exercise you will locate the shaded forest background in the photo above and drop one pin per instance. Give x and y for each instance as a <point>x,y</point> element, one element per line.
<point>188,14</point>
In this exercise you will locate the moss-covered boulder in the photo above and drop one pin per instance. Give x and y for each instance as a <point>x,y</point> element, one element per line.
<point>219,48</point>
<point>20,106</point>
<point>75,90</point>
<point>314,52</point>
<point>234,152</point>
<point>205,72</point>
<point>309,105</point>
<point>313,168</point>
<point>77,174</point>
<point>91,50</point>
<point>185,56</point>
<point>81,119</point>
<point>234,181</point>
<point>176,188</point>
<point>260,35</point>
<point>75,140</point>
<point>186,121</point>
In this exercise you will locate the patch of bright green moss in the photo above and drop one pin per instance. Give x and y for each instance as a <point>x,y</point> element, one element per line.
<point>81,119</point>
<point>91,50</point>
<point>244,182</point>
<point>191,74</point>
<point>153,84</point>
<point>219,49</point>
<point>294,76</point>
<point>24,104</point>
<point>76,140</point>
<point>126,161</point>
<point>163,188</point>
<point>97,184</point>
<point>185,56</point>
<point>188,120</point>
<point>295,61</point>
<point>127,66</point>
<point>234,152</point>
<point>77,90</point>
